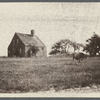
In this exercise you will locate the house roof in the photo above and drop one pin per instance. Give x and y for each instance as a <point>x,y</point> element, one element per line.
<point>28,40</point>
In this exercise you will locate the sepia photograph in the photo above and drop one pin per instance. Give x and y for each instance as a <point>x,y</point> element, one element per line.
<point>49,49</point>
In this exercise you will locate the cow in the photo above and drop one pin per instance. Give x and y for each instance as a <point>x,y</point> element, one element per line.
<point>79,56</point>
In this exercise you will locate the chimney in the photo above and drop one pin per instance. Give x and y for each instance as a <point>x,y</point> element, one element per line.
<point>32,33</point>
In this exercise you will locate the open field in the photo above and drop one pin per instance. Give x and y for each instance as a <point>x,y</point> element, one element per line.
<point>29,74</point>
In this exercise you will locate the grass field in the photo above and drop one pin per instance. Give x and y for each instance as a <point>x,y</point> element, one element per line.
<point>29,74</point>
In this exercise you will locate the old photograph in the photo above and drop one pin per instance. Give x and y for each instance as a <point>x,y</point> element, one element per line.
<point>50,49</point>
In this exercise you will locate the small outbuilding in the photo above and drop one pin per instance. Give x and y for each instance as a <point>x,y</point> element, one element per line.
<point>26,45</point>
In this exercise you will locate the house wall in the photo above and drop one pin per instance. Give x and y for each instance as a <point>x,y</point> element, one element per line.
<point>41,53</point>
<point>27,48</point>
<point>16,48</point>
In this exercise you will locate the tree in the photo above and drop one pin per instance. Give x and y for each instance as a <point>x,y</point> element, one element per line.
<point>56,48</point>
<point>75,46</point>
<point>93,45</point>
<point>65,44</point>
<point>62,47</point>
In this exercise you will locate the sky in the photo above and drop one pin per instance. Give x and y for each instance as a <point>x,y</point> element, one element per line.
<point>51,21</point>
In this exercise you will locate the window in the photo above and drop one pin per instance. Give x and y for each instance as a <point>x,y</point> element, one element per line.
<point>13,41</point>
<point>30,51</point>
<point>17,41</point>
<point>20,50</point>
<point>8,51</point>
<point>42,48</point>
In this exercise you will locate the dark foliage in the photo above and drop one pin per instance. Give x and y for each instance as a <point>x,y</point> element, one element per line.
<point>93,45</point>
<point>62,47</point>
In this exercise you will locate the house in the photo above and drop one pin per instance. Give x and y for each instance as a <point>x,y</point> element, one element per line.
<point>26,45</point>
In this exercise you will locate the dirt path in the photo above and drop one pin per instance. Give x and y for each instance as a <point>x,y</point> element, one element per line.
<point>78,92</point>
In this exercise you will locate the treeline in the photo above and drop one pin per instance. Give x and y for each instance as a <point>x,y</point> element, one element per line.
<point>63,46</point>
<point>92,46</point>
